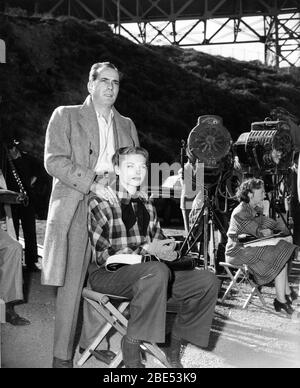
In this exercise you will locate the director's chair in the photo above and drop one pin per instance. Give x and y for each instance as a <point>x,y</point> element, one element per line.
<point>114,317</point>
<point>239,274</point>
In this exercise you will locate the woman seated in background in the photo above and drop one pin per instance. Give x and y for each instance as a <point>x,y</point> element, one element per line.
<point>268,262</point>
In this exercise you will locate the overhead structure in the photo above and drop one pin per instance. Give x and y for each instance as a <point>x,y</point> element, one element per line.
<point>190,23</point>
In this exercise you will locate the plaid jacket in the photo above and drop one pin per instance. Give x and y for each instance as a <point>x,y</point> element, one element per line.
<point>108,233</point>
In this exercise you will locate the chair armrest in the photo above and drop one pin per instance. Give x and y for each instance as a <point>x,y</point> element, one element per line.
<point>242,266</point>
<point>96,296</point>
<point>101,298</point>
<point>224,264</point>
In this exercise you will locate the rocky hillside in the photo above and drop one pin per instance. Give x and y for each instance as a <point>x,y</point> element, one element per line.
<point>164,89</point>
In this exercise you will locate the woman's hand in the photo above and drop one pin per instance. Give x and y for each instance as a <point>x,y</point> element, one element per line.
<point>160,247</point>
<point>167,256</point>
<point>105,192</point>
<point>163,249</point>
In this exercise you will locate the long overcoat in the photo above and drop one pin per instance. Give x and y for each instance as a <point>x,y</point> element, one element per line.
<point>71,153</point>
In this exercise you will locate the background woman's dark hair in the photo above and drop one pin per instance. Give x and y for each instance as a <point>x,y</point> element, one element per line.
<point>247,187</point>
<point>131,150</point>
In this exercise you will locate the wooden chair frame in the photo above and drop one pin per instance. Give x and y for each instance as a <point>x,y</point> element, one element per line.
<point>2,320</point>
<point>114,319</point>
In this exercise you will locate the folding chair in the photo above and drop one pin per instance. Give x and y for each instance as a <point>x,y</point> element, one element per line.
<point>240,274</point>
<point>236,272</point>
<point>114,319</point>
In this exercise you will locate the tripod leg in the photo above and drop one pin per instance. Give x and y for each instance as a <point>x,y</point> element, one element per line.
<point>211,244</point>
<point>193,235</point>
<point>185,216</point>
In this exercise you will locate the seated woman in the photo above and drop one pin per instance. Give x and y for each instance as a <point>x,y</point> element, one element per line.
<point>268,262</point>
<point>132,227</point>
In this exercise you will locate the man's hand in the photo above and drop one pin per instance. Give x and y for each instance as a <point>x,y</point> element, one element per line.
<point>9,197</point>
<point>33,180</point>
<point>105,192</point>
<point>143,195</point>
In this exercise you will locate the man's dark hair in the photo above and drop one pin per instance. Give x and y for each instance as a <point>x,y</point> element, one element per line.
<point>97,67</point>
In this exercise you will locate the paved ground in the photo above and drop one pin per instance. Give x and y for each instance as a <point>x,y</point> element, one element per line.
<point>256,337</point>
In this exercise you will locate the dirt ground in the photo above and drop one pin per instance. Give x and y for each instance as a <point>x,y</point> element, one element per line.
<point>257,337</point>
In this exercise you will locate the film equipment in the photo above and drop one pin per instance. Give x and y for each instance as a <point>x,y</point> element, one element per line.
<point>267,152</point>
<point>266,149</point>
<point>280,113</point>
<point>209,142</point>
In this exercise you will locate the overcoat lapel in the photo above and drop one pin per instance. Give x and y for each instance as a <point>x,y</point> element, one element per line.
<point>116,135</point>
<point>89,123</point>
<point>122,133</point>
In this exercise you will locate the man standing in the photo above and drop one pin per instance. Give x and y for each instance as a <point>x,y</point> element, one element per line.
<point>20,174</point>
<point>11,277</point>
<point>80,141</point>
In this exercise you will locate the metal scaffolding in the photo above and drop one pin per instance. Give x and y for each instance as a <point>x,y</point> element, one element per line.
<point>190,23</point>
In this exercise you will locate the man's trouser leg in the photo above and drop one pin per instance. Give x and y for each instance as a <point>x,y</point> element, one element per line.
<point>196,294</point>
<point>27,215</point>
<point>69,296</point>
<point>92,322</point>
<point>146,286</point>
<point>11,278</point>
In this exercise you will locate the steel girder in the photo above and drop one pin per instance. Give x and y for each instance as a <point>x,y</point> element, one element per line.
<point>188,23</point>
<point>282,44</point>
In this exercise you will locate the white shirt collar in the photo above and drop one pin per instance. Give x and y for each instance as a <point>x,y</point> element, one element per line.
<point>110,117</point>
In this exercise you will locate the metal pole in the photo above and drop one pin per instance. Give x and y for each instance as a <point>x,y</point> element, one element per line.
<point>278,48</point>
<point>119,17</point>
<point>205,233</point>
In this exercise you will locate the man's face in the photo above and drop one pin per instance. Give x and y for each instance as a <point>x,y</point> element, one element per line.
<point>14,152</point>
<point>132,170</point>
<point>104,90</point>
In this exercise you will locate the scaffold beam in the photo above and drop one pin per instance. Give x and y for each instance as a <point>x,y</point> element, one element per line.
<point>275,23</point>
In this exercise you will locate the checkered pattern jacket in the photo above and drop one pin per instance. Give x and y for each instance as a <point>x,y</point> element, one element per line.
<point>108,234</point>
